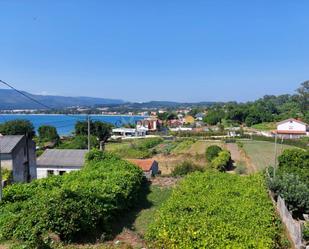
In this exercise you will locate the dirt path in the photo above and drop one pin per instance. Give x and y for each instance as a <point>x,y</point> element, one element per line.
<point>165,181</point>
<point>240,156</point>
<point>235,153</point>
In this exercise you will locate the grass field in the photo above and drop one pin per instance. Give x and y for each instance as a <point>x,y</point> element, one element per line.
<point>265,126</point>
<point>262,153</point>
<point>195,152</point>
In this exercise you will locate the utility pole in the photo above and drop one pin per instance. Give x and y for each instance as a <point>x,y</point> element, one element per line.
<point>88,132</point>
<point>275,159</point>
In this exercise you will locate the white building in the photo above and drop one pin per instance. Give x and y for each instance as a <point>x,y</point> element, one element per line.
<point>58,162</point>
<point>291,129</point>
<point>129,132</point>
<point>181,129</point>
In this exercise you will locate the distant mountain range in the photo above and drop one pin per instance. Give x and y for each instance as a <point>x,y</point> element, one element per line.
<point>10,99</point>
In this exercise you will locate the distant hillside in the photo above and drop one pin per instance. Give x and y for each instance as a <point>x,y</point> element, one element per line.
<point>167,104</point>
<point>9,99</point>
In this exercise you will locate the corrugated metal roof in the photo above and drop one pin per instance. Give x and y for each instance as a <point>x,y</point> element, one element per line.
<point>58,157</point>
<point>9,142</point>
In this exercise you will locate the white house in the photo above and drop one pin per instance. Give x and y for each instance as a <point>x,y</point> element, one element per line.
<point>58,162</point>
<point>291,129</point>
<point>129,132</point>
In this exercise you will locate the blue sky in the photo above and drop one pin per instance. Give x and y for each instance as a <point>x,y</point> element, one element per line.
<point>141,50</point>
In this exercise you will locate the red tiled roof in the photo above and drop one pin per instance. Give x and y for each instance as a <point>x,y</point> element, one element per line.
<point>290,132</point>
<point>292,119</point>
<point>144,164</point>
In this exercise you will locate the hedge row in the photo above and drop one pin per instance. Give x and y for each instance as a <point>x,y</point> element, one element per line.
<point>78,203</point>
<point>217,210</point>
<point>291,180</point>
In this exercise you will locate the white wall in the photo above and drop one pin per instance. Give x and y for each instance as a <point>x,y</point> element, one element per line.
<point>42,172</point>
<point>291,126</point>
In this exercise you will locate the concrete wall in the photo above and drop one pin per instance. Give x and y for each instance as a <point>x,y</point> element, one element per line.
<point>42,172</point>
<point>294,228</point>
<point>20,155</point>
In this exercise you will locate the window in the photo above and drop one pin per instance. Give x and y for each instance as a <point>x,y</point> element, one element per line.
<point>61,172</point>
<point>50,172</point>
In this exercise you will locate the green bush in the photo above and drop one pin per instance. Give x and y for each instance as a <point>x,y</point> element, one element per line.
<point>73,205</point>
<point>306,231</point>
<point>240,144</point>
<point>222,162</point>
<point>241,168</point>
<point>293,191</point>
<point>148,143</point>
<point>185,168</point>
<point>294,158</point>
<point>79,142</point>
<point>212,152</point>
<point>215,210</point>
<point>291,181</point>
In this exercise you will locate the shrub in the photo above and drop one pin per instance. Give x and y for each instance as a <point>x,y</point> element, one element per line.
<point>306,231</point>
<point>222,162</point>
<point>240,144</point>
<point>149,143</point>
<point>48,133</point>
<point>185,168</point>
<point>217,210</point>
<point>75,204</point>
<point>212,152</point>
<point>241,169</point>
<point>293,191</point>
<point>292,180</point>
<point>294,158</point>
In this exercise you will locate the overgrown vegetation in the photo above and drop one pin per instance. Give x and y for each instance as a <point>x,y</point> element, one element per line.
<point>17,127</point>
<point>217,210</point>
<point>222,162</point>
<point>79,203</point>
<point>291,180</point>
<point>212,152</point>
<point>185,168</point>
<point>141,148</point>
<point>306,231</point>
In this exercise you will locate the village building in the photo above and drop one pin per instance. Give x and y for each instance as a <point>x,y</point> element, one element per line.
<point>150,123</point>
<point>150,167</point>
<point>188,119</point>
<point>17,154</point>
<point>181,129</point>
<point>60,161</point>
<point>174,123</point>
<point>291,129</point>
<point>129,132</point>
<point>200,116</point>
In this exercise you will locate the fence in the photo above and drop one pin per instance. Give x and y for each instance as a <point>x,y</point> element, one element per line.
<point>294,227</point>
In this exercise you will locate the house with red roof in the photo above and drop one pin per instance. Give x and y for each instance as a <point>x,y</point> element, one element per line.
<point>291,129</point>
<point>150,167</point>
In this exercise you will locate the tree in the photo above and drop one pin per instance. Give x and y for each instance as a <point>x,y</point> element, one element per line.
<point>18,127</point>
<point>214,117</point>
<point>303,97</point>
<point>98,129</point>
<point>48,133</point>
<point>212,152</point>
